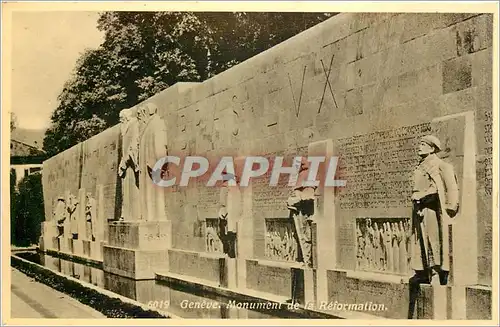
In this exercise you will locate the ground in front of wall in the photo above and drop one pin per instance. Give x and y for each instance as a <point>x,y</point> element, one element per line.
<point>31,299</point>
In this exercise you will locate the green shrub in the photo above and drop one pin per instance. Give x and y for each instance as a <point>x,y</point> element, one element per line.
<point>27,212</point>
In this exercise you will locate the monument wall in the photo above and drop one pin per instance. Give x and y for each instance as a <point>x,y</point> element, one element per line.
<point>85,165</point>
<point>372,83</point>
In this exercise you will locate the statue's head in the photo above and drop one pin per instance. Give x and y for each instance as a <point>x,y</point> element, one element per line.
<point>429,144</point>
<point>140,113</point>
<point>124,115</point>
<point>150,109</point>
<point>146,110</point>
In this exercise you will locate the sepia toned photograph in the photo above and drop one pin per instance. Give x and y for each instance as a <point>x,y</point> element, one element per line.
<point>229,163</point>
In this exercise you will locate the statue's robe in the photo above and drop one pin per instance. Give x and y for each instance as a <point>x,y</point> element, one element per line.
<point>430,219</point>
<point>152,147</point>
<point>130,164</point>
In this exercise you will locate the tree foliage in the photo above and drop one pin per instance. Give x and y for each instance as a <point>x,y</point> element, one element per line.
<point>146,52</point>
<point>13,201</point>
<point>13,122</point>
<point>27,212</point>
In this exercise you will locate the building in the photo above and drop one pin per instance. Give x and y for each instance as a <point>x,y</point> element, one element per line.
<point>25,159</point>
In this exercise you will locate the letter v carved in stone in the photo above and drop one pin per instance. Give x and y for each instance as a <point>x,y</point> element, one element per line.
<point>297,104</point>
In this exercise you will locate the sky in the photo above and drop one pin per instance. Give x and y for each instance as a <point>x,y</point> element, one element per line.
<point>45,47</point>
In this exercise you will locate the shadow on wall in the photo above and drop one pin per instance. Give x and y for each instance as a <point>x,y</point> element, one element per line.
<point>118,185</point>
<point>27,210</point>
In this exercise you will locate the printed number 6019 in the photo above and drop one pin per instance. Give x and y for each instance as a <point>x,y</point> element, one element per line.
<point>159,304</point>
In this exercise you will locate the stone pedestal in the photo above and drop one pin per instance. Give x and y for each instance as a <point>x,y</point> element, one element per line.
<point>80,215</point>
<point>65,244</point>
<point>440,302</point>
<point>86,247</point>
<point>55,243</point>
<point>137,249</point>
<point>464,272</point>
<point>96,249</point>
<point>67,228</point>
<point>244,231</point>
<point>97,277</point>
<point>309,290</point>
<point>302,290</point>
<point>324,245</point>
<point>49,231</point>
<point>78,248</point>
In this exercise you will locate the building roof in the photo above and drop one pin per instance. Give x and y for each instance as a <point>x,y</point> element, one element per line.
<point>22,153</point>
<point>21,149</point>
<point>31,137</point>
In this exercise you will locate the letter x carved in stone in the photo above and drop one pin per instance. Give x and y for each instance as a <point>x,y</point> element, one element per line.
<point>327,82</point>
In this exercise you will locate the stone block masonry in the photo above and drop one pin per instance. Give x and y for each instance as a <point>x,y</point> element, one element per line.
<point>368,85</point>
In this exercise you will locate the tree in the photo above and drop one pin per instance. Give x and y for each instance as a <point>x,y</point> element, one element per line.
<point>146,52</point>
<point>13,122</point>
<point>13,205</point>
<point>28,212</point>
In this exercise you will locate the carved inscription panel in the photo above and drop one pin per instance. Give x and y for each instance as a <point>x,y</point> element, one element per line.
<point>378,167</point>
<point>208,197</point>
<point>488,162</point>
<point>273,198</point>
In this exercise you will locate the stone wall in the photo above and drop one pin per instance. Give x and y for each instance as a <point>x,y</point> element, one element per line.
<point>370,82</point>
<point>85,165</point>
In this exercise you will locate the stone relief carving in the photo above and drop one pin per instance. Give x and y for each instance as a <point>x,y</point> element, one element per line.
<point>212,238</point>
<point>129,165</point>
<point>382,245</point>
<point>281,240</point>
<point>60,214</point>
<point>71,206</point>
<point>218,236</point>
<point>90,217</point>
<point>301,205</point>
<point>152,147</point>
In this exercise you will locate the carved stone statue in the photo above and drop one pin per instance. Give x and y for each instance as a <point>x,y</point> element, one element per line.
<point>213,242</point>
<point>301,204</point>
<point>403,255</point>
<point>396,239</point>
<point>268,244</point>
<point>408,235</point>
<point>369,248</point>
<point>389,256</point>
<point>360,247</point>
<point>90,217</point>
<point>376,245</point>
<point>60,214</point>
<point>71,205</point>
<point>152,147</point>
<point>129,165</point>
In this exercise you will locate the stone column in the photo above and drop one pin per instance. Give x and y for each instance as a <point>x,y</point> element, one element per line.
<point>464,226</point>
<point>102,221</point>
<point>233,204</point>
<point>49,233</point>
<point>65,239</point>
<point>81,225</point>
<point>244,229</point>
<point>324,242</point>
